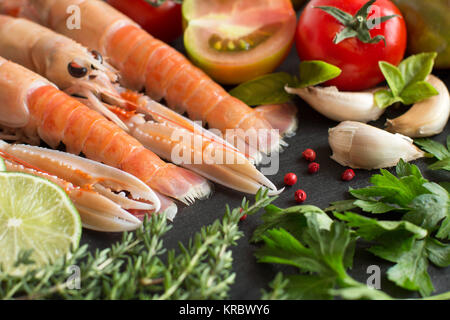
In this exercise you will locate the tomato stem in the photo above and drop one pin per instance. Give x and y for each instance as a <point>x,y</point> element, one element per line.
<point>359,25</point>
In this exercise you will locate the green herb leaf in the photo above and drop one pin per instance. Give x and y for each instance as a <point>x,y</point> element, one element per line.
<point>384,98</point>
<point>410,242</point>
<point>310,287</point>
<point>374,206</point>
<point>410,272</point>
<point>393,77</point>
<point>405,169</point>
<point>313,253</point>
<point>268,89</point>
<point>441,165</point>
<point>343,205</point>
<point>416,68</point>
<point>359,292</point>
<point>439,151</point>
<point>293,219</point>
<point>428,210</point>
<point>418,91</point>
<point>282,248</point>
<point>407,82</point>
<point>433,147</point>
<point>372,229</point>
<point>438,253</point>
<point>315,72</point>
<point>391,190</point>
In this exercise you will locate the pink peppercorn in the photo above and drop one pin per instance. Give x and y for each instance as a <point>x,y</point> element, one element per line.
<point>309,155</point>
<point>348,175</point>
<point>300,196</point>
<point>313,167</point>
<point>290,179</point>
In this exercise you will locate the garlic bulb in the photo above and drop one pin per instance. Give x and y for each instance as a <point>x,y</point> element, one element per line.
<point>341,106</point>
<point>425,118</point>
<point>360,146</point>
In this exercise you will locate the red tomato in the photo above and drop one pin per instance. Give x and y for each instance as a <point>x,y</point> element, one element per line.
<point>163,22</point>
<point>317,29</point>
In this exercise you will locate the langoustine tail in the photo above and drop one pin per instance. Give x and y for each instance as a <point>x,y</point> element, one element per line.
<point>64,119</point>
<point>282,117</point>
<point>187,144</point>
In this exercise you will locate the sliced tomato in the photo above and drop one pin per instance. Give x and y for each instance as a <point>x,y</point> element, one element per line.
<point>237,40</point>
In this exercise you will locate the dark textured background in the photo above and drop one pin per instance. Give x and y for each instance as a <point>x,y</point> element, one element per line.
<point>322,188</point>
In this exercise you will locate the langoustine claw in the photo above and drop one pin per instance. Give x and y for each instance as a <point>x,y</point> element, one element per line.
<point>104,196</point>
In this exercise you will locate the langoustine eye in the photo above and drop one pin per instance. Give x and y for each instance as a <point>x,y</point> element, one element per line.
<point>76,70</point>
<point>97,56</point>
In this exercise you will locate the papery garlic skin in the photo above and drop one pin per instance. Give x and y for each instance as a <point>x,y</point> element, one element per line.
<point>426,118</point>
<point>341,106</point>
<point>360,146</point>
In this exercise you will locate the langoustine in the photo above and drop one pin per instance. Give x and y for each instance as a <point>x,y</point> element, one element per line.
<point>32,108</point>
<point>104,196</point>
<point>77,71</point>
<point>147,63</point>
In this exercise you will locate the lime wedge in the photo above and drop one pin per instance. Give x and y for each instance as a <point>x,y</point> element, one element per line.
<point>37,215</point>
<point>2,164</point>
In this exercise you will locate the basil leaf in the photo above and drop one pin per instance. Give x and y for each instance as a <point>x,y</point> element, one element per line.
<point>407,82</point>
<point>393,77</point>
<point>268,89</point>
<point>316,72</point>
<point>385,98</point>
<point>417,67</point>
<point>418,91</point>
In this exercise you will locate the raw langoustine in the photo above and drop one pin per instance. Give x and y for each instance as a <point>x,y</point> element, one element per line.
<point>78,71</point>
<point>147,63</point>
<point>32,108</point>
<point>104,196</point>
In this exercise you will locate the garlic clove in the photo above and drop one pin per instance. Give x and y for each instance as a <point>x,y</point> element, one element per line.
<point>425,118</point>
<point>360,146</point>
<point>341,106</point>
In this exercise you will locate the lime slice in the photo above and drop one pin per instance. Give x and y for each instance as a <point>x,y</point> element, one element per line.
<point>37,215</point>
<point>2,164</point>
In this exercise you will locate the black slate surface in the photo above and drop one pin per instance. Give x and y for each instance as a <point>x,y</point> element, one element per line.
<point>322,188</point>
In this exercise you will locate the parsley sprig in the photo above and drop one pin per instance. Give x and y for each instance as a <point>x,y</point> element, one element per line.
<point>415,240</point>
<point>322,249</point>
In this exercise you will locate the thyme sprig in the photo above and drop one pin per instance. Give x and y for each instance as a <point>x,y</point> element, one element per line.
<point>139,267</point>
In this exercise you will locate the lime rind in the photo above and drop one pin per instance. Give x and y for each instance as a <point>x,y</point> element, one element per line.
<point>2,165</point>
<point>37,215</point>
